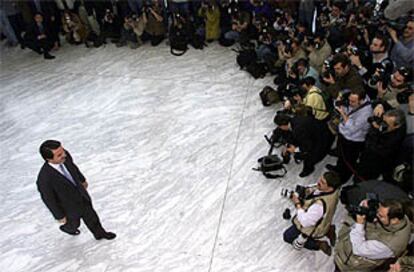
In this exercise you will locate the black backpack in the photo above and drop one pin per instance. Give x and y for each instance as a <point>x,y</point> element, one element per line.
<point>246,57</point>
<point>178,41</point>
<point>269,164</point>
<point>197,42</point>
<point>257,69</point>
<point>269,96</point>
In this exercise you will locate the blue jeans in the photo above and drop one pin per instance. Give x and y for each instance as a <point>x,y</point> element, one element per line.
<point>292,233</point>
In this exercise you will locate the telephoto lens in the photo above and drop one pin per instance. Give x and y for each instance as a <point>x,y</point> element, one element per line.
<point>286,214</point>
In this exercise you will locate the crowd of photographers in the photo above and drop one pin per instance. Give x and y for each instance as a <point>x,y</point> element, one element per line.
<point>344,77</point>
<point>342,70</point>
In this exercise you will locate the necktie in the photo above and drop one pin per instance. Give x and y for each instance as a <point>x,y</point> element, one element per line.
<point>66,173</point>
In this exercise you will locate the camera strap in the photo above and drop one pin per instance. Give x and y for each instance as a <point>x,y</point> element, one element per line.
<point>360,107</point>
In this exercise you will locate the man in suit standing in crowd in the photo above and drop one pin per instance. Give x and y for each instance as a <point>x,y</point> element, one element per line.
<point>63,189</point>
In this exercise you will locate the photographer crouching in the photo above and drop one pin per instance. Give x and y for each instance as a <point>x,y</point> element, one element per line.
<point>308,140</point>
<point>315,211</point>
<point>366,246</point>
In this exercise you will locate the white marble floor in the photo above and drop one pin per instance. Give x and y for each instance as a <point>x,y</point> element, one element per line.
<point>167,144</point>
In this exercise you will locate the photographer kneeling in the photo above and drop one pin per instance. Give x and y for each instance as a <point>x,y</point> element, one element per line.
<point>366,246</point>
<point>314,215</point>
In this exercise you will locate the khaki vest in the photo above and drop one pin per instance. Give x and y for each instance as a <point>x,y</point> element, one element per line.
<point>329,202</point>
<point>395,237</point>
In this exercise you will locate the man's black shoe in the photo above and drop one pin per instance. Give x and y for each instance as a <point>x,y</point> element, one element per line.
<point>48,56</point>
<point>69,231</point>
<point>306,172</point>
<point>331,167</point>
<point>106,235</point>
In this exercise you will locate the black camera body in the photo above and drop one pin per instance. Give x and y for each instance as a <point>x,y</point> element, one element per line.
<point>288,46</point>
<point>376,119</point>
<point>329,70</point>
<point>293,90</point>
<point>377,78</point>
<point>299,190</point>
<point>341,103</point>
<point>279,137</point>
<point>370,212</point>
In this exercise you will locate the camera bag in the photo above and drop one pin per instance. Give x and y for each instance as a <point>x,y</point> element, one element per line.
<point>197,42</point>
<point>178,41</point>
<point>245,57</point>
<point>269,164</point>
<point>257,69</point>
<point>269,96</point>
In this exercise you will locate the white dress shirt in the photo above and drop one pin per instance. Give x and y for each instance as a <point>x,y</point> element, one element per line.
<point>312,215</point>
<point>371,249</point>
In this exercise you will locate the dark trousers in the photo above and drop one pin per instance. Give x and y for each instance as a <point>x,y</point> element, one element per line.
<point>348,153</point>
<point>89,217</point>
<point>292,233</point>
<point>40,46</point>
<point>16,21</point>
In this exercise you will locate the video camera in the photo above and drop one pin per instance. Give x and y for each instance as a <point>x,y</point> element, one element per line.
<point>370,212</point>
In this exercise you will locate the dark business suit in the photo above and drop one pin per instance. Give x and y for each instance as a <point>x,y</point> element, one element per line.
<point>63,198</point>
<point>39,45</point>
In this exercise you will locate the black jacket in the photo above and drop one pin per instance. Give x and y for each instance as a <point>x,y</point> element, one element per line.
<point>311,136</point>
<point>58,193</point>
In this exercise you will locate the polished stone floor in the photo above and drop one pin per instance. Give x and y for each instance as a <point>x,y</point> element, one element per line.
<point>167,145</point>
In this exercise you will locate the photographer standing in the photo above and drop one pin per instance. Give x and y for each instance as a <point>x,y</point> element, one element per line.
<point>343,76</point>
<point>319,50</point>
<point>403,51</point>
<point>352,131</point>
<point>314,215</point>
<point>366,246</point>
<point>378,66</point>
<point>383,139</point>
<point>396,92</point>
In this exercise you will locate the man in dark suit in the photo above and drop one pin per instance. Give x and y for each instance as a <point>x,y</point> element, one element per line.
<point>62,188</point>
<point>312,137</point>
<point>39,38</point>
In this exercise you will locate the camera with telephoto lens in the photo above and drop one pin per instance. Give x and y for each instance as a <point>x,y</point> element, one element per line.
<point>329,70</point>
<point>376,119</point>
<point>300,191</point>
<point>293,90</point>
<point>341,103</point>
<point>288,46</point>
<point>370,212</point>
<point>378,76</point>
<point>279,137</point>
<point>399,24</point>
<point>353,50</point>
<point>383,126</point>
